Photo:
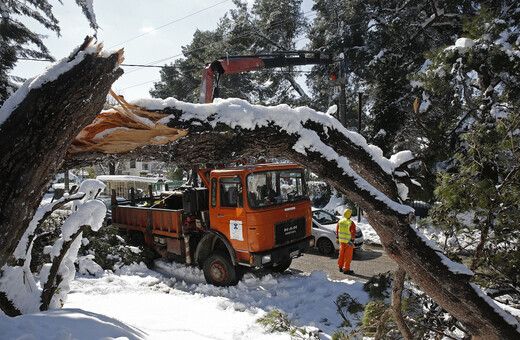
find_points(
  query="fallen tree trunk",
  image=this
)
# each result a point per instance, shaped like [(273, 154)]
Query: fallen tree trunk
[(39, 129), (37, 125), (232, 129)]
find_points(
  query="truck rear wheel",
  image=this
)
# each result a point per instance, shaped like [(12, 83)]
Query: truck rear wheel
[(219, 271)]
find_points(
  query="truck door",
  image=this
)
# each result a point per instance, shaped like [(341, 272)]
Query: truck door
[(230, 213)]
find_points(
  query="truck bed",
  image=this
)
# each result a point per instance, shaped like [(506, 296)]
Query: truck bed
[(156, 221)]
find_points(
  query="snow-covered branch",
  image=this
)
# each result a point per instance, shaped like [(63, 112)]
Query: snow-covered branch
[(17, 282)]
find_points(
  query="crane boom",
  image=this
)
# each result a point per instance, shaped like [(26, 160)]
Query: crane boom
[(237, 64)]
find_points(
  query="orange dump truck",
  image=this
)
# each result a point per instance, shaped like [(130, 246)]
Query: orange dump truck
[(250, 216)]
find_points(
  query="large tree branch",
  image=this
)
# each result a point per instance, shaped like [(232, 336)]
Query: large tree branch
[(231, 129)]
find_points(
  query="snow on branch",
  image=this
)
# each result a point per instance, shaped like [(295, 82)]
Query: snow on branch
[(237, 113), (18, 283), (50, 74)]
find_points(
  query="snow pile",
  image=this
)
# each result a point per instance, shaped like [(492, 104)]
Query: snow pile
[(462, 45), (138, 303)]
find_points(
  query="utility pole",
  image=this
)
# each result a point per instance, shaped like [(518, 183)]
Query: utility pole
[(360, 109), (342, 110), (339, 79)]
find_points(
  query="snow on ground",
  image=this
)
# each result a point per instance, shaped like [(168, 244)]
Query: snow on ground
[(174, 302)]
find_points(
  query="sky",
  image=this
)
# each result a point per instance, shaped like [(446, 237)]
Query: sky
[(151, 32)]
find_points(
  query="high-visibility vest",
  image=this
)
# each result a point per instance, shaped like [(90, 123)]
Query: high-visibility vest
[(344, 230)]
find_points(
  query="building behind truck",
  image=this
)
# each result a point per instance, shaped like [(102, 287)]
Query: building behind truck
[(249, 216)]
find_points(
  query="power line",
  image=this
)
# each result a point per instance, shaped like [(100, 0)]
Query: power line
[(246, 33), (195, 69), (171, 22), (141, 65)]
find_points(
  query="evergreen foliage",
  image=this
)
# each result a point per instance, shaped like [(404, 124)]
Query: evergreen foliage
[(267, 26), (473, 90), (277, 321), (111, 250), (383, 43), (18, 41)]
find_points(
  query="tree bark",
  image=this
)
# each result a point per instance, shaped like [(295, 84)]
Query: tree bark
[(397, 292), (37, 134), (208, 142), (54, 279)]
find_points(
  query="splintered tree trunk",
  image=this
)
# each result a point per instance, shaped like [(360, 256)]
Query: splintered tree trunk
[(36, 136), (211, 141)]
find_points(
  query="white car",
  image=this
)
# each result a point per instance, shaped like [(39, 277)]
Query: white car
[(324, 231)]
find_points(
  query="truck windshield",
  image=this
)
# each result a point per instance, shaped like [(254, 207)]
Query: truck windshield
[(275, 187)]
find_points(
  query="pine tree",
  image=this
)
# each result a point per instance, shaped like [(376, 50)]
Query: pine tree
[(475, 82), (18, 41), (266, 27), (384, 44)]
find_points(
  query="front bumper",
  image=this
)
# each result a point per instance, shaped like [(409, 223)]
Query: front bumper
[(282, 254)]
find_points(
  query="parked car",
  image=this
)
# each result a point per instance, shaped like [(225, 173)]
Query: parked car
[(324, 231)]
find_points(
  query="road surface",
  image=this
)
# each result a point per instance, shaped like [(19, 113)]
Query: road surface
[(367, 262)]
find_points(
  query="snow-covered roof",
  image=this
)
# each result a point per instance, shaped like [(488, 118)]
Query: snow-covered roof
[(128, 178)]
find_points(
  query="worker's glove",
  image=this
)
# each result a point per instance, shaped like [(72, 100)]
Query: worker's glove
[(350, 243)]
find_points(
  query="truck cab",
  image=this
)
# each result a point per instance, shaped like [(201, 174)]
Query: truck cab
[(264, 212)]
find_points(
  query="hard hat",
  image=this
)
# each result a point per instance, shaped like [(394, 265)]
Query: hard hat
[(347, 213)]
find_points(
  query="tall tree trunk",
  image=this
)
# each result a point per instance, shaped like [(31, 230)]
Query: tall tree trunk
[(36, 136)]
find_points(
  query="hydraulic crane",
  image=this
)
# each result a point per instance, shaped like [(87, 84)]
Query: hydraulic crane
[(246, 63)]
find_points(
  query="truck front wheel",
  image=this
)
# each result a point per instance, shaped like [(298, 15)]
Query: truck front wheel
[(281, 267), (219, 271)]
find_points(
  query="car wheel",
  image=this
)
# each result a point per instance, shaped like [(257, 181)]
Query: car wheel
[(325, 246), (219, 271), (281, 267)]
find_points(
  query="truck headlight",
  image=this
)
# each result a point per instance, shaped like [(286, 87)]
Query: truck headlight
[(266, 259)]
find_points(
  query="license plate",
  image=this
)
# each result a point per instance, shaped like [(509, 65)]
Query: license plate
[(294, 253)]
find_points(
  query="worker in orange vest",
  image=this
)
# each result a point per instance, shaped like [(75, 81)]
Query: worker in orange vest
[(345, 234)]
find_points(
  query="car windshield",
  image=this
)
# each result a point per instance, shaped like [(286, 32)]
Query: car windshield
[(275, 187), (324, 217)]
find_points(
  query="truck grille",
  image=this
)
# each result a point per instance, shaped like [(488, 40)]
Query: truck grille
[(287, 231)]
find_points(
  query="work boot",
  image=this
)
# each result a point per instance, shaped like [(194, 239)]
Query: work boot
[(340, 270), (348, 272)]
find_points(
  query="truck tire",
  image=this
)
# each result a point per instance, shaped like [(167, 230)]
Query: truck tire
[(281, 267), (219, 271)]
